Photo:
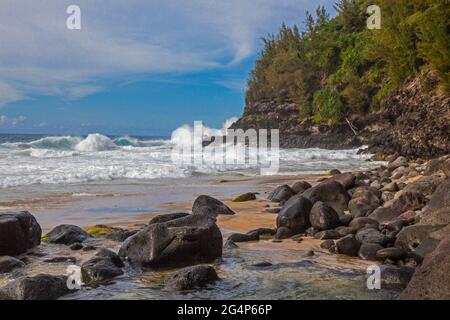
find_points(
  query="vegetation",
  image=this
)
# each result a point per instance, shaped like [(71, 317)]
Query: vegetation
[(337, 66)]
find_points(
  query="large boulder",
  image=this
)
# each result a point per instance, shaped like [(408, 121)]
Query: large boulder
[(364, 201), (436, 165), (346, 179), (103, 266), (417, 239), (67, 234), (193, 277), (363, 222), (425, 185), (168, 217), (281, 193), (242, 237), (397, 163), (405, 200), (8, 264), (19, 231), (185, 241), (370, 235), (323, 217), (330, 192), (384, 215), (300, 186), (393, 277), (39, 287), (295, 215), (348, 245), (438, 209), (430, 281), (368, 251), (209, 205)]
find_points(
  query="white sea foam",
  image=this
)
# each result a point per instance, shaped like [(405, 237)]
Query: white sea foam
[(65, 160)]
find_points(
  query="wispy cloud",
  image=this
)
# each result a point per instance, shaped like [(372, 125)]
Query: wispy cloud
[(131, 38), (12, 122)]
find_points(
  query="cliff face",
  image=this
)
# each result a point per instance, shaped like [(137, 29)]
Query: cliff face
[(415, 123)]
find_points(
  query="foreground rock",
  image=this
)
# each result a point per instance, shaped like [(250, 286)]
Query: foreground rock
[(8, 264), (430, 281), (364, 201), (185, 241), (19, 231), (330, 192), (294, 215), (39, 287), (193, 277), (393, 277), (103, 266), (168, 217), (437, 210), (323, 217), (67, 234), (348, 245), (281, 193), (209, 205)]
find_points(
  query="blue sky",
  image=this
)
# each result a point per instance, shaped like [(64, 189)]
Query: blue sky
[(135, 67)]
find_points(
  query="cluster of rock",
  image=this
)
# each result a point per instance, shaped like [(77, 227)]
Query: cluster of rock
[(168, 241), (397, 214)]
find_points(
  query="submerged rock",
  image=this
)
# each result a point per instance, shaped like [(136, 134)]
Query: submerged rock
[(189, 240), (39, 287), (193, 277), (19, 231), (8, 264)]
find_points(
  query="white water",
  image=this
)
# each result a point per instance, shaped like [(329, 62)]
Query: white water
[(68, 159)]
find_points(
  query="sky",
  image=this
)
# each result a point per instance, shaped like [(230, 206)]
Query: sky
[(136, 67)]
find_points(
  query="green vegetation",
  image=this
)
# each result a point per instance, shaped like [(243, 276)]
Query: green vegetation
[(245, 197), (101, 230), (337, 66)]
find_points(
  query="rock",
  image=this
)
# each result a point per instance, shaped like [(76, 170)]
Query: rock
[(309, 253), (392, 253), (446, 168), (327, 244), (300, 186), (412, 237), (343, 231), (241, 237), (399, 162), (370, 235), (359, 223), (39, 287), (273, 210), (384, 215), (281, 193), (430, 281), (323, 217), (330, 192), (229, 244), (19, 231), (61, 260), (167, 217), (405, 200), (193, 277), (438, 209), (89, 248), (8, 264), (425, 185), (348, 245), (249, 196), (346, 179), (332, 172), (189, 240), (283, 233), (393, 277), (376, 184), (67, 234), (364, 201), (435, 165), (120, 236), (103, 266), (391, 187), (76, 246), (396, 225), (262, 232), (295, 215), (387, 196), (327, 234), (368, 251), (262, 264), (211, 206), (345, 219)]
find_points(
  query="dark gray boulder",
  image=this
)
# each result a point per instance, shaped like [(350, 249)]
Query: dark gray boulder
[(327, 244), (348, 245), (323, 217), (281, 193), (8, 264), (405, 200), (261, 232), (397, 163), (417, 240), (168, 217), (347, 179), (344, 231), (283, 233), (392, 253), (242, 237), (393, 277), (120, 236), (19, 231), (193, 277), (67, 234), (103, 266), (327, 235), (295, 215), (370, 235), (368, 251), (345, 220), (384, 215), (39, 287), (300, 186), (363, 222), (209, 205), (185, 241), (437, 210), (330, 192), (364, 201)]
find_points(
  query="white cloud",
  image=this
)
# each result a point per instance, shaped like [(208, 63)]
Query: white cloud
[(12, 122), (128, 39)]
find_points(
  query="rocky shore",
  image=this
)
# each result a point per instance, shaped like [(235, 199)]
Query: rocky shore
[(396, 215)]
